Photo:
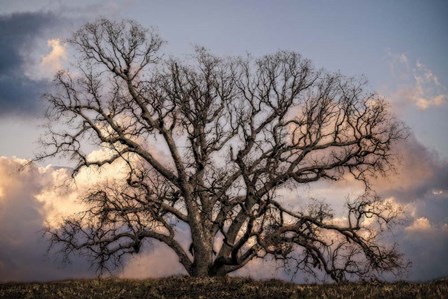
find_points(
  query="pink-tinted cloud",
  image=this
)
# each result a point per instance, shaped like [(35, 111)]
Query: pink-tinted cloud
[(22, 218), (419, 224), (420, 86), (419, 186), (157, 261), (419, 174), (37, 195), (32, 198)]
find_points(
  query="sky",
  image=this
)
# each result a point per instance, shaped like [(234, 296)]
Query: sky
[(399, 46)]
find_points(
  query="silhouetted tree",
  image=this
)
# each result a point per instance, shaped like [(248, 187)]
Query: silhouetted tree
[(233, 132)]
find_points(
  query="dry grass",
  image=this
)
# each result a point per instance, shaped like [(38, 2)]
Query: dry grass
[(215, 288)]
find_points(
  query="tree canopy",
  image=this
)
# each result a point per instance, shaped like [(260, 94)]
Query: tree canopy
[(208, 143)]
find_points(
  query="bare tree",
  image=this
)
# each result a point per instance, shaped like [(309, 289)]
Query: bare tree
[(234, 131)]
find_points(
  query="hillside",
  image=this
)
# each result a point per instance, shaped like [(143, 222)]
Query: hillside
[(185, 287)]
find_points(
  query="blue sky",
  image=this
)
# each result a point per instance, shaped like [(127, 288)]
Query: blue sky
[(399, 46)]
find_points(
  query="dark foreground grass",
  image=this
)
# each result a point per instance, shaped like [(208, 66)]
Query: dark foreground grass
[(215, 288)]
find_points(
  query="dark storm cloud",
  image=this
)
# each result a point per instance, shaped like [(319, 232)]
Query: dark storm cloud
[(19, 34), (20, 95)]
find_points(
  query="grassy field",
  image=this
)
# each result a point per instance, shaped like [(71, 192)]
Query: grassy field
[(215, 288)]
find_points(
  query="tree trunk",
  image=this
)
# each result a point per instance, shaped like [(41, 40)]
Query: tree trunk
[(201, 269), (207, 269), (203, 262), (202, 247)]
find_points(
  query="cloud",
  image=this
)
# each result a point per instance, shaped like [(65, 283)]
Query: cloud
[(426, 245), (32, 50), (156, 261), (38, 195), (54, 59), (398, 64), (20, 34), (45, 67), (32, 198), (419, 173), (428, 91), (22, 218), (419, 224), (420, 185), (420, 86)]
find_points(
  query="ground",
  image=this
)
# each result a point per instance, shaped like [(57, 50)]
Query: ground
[(186, 287)]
